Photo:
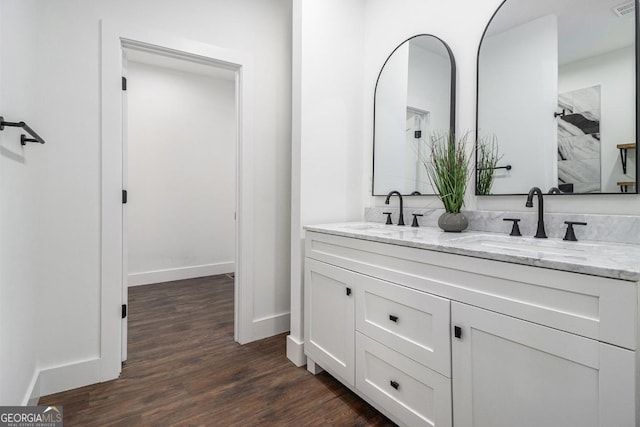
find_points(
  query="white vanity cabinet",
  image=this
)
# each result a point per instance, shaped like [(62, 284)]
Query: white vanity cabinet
[(347, 317), (438, 339)]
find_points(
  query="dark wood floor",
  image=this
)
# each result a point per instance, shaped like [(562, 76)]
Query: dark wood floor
[(185, 369)]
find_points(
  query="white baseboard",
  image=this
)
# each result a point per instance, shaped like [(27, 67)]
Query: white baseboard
[(295, 351), (79, 374), (270, 326), (33, 393), (67, 377), (181, 273)]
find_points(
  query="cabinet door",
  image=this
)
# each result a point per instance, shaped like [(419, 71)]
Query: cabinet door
[(509, 372), (329, 324)]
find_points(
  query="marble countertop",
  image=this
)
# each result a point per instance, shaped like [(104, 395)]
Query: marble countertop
[(605, 259)]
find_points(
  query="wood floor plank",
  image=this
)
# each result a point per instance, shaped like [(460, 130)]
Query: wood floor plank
[(184, 369)]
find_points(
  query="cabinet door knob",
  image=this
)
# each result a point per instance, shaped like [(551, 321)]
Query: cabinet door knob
[(348, 291), (457, 331), (394, 384), (393, 318)]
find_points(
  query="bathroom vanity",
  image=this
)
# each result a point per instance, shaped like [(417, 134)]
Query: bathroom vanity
[(474, 329)]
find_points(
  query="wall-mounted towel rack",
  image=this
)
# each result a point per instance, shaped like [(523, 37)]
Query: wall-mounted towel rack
[(23, 125)]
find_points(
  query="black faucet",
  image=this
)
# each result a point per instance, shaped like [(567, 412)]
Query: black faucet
[(386, 202), (540, 233), (554, 190)]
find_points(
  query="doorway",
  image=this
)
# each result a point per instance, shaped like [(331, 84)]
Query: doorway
[(116, 38), (417, 134), (179, 219)]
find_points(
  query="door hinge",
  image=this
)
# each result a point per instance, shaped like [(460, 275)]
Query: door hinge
[(124, 83), (125, 197), (124, 310)]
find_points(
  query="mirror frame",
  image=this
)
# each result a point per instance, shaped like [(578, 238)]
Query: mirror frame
[(452, 105), (637, 64)]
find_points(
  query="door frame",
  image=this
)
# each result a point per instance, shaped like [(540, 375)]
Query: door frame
[(114, 37)]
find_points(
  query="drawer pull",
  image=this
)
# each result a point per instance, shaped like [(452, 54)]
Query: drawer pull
[(394, 384), (457, 331), (393, 318)]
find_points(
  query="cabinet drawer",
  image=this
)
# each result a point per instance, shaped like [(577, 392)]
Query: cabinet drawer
[(413, 323), (414, 394)]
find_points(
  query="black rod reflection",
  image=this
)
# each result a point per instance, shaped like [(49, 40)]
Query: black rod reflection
[(507, 167)]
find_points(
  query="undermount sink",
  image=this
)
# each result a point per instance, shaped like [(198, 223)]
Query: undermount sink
[(365, 227), (376, 229), (525, 246)]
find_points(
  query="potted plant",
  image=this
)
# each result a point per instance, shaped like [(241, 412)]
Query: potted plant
[(448, 170), (487, 158)]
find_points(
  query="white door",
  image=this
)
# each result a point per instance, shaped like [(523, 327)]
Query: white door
[(329, 318), (125, 251), (417, 139), (509, 372)]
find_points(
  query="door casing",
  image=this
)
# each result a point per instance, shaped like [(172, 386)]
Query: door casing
[(114, 39)]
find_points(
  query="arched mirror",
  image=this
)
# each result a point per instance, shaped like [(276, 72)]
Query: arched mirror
[(557, 93), (414, 96)]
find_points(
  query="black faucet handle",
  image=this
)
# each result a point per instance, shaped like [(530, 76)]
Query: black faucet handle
[(515, 229), (388, 214), (414, 223), (570, 235)]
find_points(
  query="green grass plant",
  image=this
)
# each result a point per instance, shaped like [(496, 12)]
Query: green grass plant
[(487, 159), (448, 168)]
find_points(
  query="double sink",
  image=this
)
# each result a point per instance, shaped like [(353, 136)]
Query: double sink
[(607, 259), (483, 242)]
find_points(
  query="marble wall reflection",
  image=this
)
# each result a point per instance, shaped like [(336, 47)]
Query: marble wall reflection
[(579, 141)]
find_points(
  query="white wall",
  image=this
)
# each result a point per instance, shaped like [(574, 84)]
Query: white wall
[(614, 72), (327, 166), (517, 99), (59, 242), (22, 171), (181, 174)]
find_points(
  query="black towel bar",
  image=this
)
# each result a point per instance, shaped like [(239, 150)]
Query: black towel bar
[(23, 125)]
